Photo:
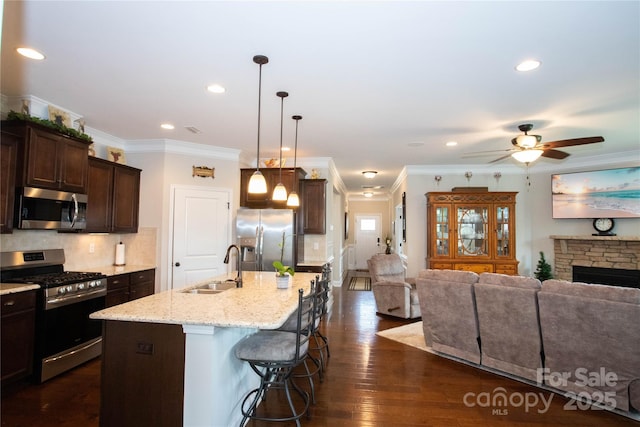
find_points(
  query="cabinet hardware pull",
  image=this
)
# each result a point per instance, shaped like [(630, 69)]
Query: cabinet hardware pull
[(9, 303)]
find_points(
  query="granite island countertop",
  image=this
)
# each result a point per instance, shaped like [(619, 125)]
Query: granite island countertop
[(258, 304)]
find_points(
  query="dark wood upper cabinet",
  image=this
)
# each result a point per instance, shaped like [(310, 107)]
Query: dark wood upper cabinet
[(114, 197), (312, 211), (49, 159), (8, 157), (290, 179)]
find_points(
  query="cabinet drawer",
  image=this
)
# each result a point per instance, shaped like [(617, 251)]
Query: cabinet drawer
[(20, 301), (142, 276), (506, 269), (477, 268), (119, 281), (441, 266)]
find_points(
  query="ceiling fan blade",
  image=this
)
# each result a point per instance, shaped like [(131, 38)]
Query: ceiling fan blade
[(484, 153), (500, 158), (554, 154), (574, 141)]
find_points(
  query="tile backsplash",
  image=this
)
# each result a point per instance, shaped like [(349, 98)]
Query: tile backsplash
[(83, 251)]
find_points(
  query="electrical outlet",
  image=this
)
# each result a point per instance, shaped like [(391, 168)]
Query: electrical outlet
[(316, 246), (92, 248)]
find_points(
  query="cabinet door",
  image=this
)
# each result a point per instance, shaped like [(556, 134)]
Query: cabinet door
[(472, 231), (126, 199), (504, 243), (43, 166), (17, 327), (74, 163), (313, 206), (8, 157), (442, 235), (99, 191)]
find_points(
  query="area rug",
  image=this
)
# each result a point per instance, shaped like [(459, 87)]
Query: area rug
[(360, 284), (411, 334)]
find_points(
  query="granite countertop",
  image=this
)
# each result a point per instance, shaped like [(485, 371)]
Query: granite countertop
[(258, 304), (12, 288), (114, 270)]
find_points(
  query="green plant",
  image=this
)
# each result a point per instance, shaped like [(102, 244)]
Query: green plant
[(543, 270), (12, 115), (282, 270)]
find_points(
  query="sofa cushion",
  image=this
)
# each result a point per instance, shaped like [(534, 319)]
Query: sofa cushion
[(585, 290), (448, 312), (511, 281)]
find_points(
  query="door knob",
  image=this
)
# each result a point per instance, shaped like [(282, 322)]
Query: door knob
[(177, 264)]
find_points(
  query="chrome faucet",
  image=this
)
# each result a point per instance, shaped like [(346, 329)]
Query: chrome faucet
[(238, 279)]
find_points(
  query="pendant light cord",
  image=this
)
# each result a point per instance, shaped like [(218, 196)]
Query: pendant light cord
[(259, 99), (281, 124)]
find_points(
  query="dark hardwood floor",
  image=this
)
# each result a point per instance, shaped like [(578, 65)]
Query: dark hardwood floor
[(370, 381)]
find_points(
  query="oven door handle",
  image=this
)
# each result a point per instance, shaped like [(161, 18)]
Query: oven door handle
[(71, 299)]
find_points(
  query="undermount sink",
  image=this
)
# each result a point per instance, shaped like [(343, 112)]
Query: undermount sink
[(212, 287)]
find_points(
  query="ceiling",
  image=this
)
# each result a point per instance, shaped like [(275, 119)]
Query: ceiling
[(380, 85)]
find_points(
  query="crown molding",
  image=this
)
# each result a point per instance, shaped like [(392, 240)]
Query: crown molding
[(172, 146)]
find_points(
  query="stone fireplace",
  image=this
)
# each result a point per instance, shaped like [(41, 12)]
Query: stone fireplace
[(619, 253)]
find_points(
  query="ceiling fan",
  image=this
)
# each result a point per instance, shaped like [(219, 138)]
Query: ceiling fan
[(527, 148)]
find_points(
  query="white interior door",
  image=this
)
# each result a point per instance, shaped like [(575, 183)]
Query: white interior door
[(201, 234), (368, 239)]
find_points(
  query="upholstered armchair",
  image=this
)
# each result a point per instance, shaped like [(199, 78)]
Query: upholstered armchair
[(395, 294)]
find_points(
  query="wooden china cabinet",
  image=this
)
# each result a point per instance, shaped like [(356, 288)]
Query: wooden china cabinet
[(472, 231)]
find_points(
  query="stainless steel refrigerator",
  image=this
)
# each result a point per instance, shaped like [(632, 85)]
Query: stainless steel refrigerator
[(264, 236)]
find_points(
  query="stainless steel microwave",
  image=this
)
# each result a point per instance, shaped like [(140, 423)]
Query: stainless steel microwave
[(41, 209)]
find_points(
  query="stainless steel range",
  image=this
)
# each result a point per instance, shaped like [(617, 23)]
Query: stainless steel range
[(65, 337)]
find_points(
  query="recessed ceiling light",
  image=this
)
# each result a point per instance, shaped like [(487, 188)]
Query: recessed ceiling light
[(286, 149), (369, 174), (416, 144), (528, 65), (30, 53), (451, 143), (167, 126), (368, 194), (216, 88)]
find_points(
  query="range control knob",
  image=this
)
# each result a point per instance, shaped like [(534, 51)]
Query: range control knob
[(62, 290), (81, 286)]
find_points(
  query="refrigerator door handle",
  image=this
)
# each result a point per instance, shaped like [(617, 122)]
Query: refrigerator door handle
[(261, 239)]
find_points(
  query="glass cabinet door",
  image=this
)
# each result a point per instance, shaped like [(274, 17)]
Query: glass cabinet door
[(502, 231), (442, 230), (472, 230)]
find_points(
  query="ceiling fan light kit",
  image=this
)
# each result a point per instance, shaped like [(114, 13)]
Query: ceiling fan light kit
[(527, 155), (257, 183)]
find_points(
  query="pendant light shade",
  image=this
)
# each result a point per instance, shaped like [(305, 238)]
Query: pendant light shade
[(257, 183), (280, 192), (293, 200)]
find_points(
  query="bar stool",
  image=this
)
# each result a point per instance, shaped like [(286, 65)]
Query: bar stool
[(273, 354)]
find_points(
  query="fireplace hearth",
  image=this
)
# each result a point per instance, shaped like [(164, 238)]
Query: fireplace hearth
[(607, 276)]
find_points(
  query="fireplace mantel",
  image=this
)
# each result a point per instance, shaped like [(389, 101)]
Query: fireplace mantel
[(618, 238), (621, 252)]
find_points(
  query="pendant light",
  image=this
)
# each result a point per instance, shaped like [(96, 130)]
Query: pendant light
[(293, 199), (257, 183), (280, 192)]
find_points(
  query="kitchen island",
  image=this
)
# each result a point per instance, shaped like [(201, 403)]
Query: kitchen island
[(145, 340)]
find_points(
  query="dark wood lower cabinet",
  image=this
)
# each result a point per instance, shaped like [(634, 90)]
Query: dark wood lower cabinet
[(142, 375), (17, 326), (127, 287)]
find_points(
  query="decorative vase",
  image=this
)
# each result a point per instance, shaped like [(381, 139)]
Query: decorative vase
[(282, 282)]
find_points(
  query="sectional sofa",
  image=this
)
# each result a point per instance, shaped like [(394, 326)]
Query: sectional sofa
[(580, 340)]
